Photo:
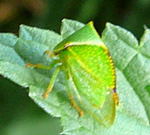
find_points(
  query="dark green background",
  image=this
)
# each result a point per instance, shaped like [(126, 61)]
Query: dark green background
[(18, 114)]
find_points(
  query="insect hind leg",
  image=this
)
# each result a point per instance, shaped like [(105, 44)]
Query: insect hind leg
[(72, 94), (75, 105)]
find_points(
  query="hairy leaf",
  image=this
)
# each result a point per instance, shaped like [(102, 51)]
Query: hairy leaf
[(132, 62)]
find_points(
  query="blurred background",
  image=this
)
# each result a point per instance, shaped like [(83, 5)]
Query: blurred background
[(18, 113)]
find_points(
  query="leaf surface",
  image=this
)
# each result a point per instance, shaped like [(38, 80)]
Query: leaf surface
[(133, 77)]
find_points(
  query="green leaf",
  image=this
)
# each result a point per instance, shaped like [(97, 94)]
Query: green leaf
[(9, 54), (121, 43), (31, 51), (8, 39), (131, 62), (133, 78), (41, 36), (68, 27), (144, 44), (129, 120), (25, 50)]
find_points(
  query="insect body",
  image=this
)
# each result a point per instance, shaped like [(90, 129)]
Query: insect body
[(90, 74)]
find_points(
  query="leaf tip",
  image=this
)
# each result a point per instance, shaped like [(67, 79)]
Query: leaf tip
[(108, 24)]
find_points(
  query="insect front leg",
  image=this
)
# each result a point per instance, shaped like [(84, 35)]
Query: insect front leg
[(51, 84), (40, 66), (55, 63), (50, 53)]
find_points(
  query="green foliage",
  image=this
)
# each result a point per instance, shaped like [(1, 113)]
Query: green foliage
[(132, 62)]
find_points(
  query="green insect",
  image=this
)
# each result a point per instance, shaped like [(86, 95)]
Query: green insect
[(89, 73)]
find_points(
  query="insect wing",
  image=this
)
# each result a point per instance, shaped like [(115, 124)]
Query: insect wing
[(92, 74)]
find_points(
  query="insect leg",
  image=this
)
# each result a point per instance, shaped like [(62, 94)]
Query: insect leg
[(74, 104), (71, 95), (55, 63), (38, 66), (51, 84), (41, 66), (49, 53)]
